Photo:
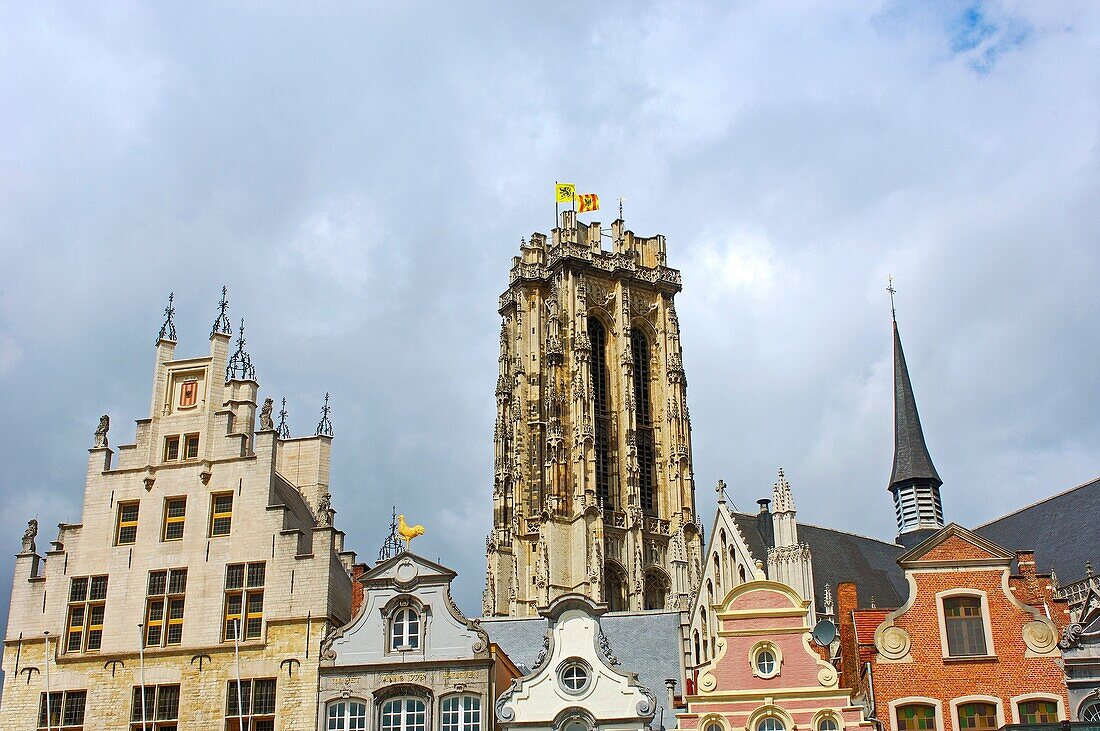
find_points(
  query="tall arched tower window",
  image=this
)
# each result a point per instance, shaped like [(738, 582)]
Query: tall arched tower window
[(647, 459), (614, 588), (601, 386)]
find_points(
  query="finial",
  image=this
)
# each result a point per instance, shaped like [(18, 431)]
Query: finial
[(240, 365), (891, 290), (721, 490), (282, 430), (392, 545), (221, 322), (621, 199), (168, 329), (828, 602), (873, 602), (324, 427), (1088, 569)]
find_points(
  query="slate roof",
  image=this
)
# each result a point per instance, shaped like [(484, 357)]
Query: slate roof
[(911, 458), (839, 556), (1061, 529), (646, 643)]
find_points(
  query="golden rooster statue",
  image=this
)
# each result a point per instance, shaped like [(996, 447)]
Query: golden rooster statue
[(408, 532)]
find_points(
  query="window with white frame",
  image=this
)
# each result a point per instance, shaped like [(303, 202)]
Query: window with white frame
[(980, 716), (916, 717), (574, 677), (66, 710), (1038, 711), (827, 723), (1090, 712), (405, 630), (964, 625), (770, 723), (349, 715), (404, 714), (766, 660), (461, 713), (713, 726)]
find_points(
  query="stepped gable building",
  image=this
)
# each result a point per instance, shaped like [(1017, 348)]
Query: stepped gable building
[(963, 651), (593, 488), (208, 532), (409, 659), (584, 669), (767, 674)]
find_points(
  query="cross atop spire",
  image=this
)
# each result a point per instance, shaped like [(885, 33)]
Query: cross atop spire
[(324, 427), (168, 329), (221, 322), (240, 366), (892, 291), (282, 430), (721, 490)]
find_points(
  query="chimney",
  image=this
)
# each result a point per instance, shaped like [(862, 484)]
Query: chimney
[(764, 522), (847, 600), (765, 505)]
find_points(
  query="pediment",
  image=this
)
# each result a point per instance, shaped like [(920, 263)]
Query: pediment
[(406, 570), (954, 544)]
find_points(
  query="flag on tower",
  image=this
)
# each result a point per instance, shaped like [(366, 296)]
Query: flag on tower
[(588, 202), (564, 192)]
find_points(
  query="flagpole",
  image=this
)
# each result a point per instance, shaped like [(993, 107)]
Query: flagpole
[(141, 654), (237, 653), (47, 633), (556, 214)]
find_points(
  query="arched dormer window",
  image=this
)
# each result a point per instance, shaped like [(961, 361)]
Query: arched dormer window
[(405, 629), (647, 459), (346, 715), (601, 388)]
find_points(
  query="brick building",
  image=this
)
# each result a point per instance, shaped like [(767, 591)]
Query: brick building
[(966, 650), (203, 534)]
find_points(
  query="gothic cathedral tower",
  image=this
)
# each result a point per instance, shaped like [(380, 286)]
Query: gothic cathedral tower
[(593, 489)]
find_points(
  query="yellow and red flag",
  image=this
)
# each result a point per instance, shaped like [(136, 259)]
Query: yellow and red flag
[(564, 192), (588, 202)]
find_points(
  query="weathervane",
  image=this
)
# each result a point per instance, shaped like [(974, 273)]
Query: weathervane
[(169, 327), (891, 290), (282, 429), (324, 427), (221, 323)]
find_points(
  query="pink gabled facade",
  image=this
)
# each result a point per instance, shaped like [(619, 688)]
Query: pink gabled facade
[(767, 674)]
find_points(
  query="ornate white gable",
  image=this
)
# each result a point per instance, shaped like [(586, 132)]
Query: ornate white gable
[(577, 678)]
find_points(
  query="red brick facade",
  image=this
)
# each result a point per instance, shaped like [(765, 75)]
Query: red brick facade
[(905, 649)]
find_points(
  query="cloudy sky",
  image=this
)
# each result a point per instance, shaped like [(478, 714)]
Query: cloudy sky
[(359, 177)]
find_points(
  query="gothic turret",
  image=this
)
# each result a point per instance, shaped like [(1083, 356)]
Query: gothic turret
[(914, 481)]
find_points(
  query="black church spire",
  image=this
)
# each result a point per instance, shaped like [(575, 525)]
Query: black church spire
[(914, 481)]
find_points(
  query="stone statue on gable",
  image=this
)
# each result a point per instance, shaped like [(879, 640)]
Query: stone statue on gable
[(101, 431)]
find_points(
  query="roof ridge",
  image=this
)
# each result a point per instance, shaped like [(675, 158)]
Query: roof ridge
[(838, 530), (1017, 511)]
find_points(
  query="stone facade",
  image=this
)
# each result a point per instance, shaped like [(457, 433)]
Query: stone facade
[(593, 488), (409, 647), (767, 675), (577, 682), (963, 645), (201, 512), (1080, 645)]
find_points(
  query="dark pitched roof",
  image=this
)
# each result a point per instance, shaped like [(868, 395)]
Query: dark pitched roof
[(1059, 529), (911, 458), (646, 643), (839, 556)]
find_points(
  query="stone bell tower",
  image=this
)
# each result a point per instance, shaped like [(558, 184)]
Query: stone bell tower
[(593, 488)]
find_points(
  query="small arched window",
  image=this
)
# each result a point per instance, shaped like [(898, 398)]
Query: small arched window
[(827, 723), (714, 726), (348, 715), (718, 569), (916, 717), (770, 723), (405, 630), (981, 716), (656, 591), (404, 714), (741, 573), (1039, 711), (1089, 712), (698, 650), (614, 588), (461, 713)]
